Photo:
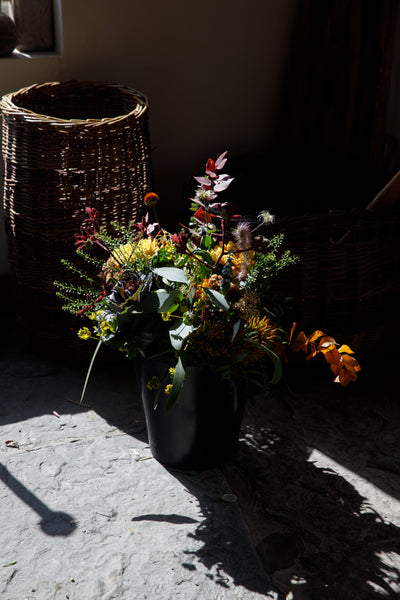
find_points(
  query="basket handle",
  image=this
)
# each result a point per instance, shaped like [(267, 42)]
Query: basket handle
[(388, 195)]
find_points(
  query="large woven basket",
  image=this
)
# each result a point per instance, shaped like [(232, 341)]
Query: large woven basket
[(347, 281), (67, 146)]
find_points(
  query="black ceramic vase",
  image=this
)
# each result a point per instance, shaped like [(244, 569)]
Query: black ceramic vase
[(201, 429)]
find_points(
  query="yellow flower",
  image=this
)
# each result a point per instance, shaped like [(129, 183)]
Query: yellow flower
[(168, 389), (166, 316), (128, 253), (238, 258), (104, 326), (84, 333), (153, 383), (172, 371), (265, 329), (147, 247)]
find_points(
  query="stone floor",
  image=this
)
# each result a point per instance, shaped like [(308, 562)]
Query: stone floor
[(87, 513)]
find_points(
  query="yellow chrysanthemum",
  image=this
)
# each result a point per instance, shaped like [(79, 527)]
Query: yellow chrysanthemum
[(239, 259), (128, 253), (265, 329)]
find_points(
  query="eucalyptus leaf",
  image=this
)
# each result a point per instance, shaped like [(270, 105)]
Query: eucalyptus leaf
[(192, 294), (277, 364), (154, 301), (236, 327), (179, 334), (171, 274), (170, 302), (217, 298), (177, 384)]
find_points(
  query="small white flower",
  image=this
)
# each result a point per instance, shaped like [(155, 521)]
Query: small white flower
[(266, 218), (204, 195)]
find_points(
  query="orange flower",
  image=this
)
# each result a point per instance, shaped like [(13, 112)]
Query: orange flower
[(151, 198)]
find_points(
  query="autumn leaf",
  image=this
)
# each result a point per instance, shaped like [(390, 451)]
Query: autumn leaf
[(317, 334), (280, 351), (345, 348), (292, 332), (300, 343)]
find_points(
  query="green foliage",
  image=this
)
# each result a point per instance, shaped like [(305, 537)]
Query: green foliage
[(267, 266)]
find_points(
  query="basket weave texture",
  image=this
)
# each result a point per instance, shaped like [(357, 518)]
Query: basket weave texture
[(347, 282), (67, 146)]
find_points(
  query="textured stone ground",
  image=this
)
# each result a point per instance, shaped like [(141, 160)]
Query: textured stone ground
[(87, 513)]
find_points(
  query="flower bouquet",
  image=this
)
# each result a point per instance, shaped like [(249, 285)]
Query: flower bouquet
[(200, 297)]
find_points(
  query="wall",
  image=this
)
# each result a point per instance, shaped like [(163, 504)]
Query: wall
[(212, 72)]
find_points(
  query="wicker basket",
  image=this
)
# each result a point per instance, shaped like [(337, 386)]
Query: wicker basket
[(67, 146), (347, 281)]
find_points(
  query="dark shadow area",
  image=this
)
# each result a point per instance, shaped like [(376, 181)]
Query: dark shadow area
[(314, 531), (227, 549), (54, 523), (174, 519)]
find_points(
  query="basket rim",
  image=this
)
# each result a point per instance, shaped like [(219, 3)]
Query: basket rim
[(8, 106)]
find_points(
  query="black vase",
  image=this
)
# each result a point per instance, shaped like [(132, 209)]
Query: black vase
[(201, 429)]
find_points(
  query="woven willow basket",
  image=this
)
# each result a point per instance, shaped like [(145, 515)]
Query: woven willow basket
[(347, 280), (67, 146)]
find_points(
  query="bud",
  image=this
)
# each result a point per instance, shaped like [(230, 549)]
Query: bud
[(150, 199)]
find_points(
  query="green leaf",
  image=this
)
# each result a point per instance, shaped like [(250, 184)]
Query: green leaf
[(171, 274), (217, 298), (236, 327), (170, 303), (206, 256), (177, 384), (154, 301), (277, 364), (179, 334), (192, 294), (206, 242)]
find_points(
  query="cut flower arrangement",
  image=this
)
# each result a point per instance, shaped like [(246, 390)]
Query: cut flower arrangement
[(203, 296)]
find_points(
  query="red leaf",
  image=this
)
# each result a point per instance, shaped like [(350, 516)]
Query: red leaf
[(221, 160)]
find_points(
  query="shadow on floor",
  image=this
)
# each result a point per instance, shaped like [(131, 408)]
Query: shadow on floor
[(317, 536)]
